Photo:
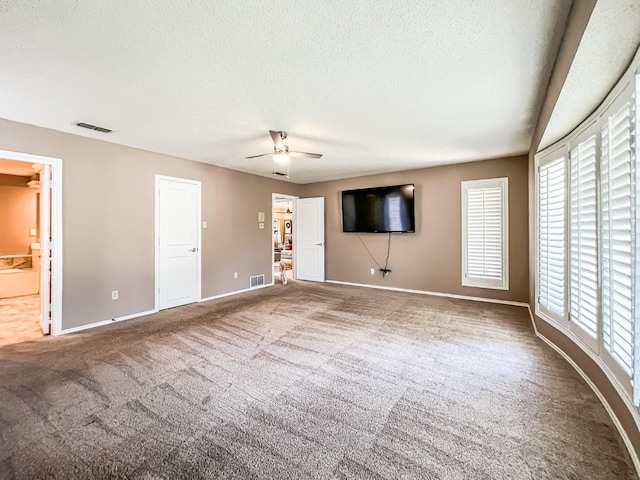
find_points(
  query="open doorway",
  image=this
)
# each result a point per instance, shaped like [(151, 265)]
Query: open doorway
[(27, 260), (283, 237), (21, 292)]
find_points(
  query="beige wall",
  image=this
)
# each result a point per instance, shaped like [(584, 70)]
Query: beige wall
[(431, 258), (108, 224), (18, 214)]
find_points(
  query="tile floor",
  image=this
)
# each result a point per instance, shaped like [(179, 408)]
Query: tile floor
[(19, 319)]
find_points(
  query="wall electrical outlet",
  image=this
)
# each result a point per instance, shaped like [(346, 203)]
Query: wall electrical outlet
[(204, 224), (235, 274), (261, 226), (373, 271), (114, 295), (32, 232)]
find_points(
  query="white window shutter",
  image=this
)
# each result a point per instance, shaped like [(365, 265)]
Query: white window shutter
[(583, 238), (618, 237), (485, 233), (635, 152), (551, 236)]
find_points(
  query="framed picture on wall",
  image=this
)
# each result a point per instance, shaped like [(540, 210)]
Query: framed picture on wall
[(287, 226)]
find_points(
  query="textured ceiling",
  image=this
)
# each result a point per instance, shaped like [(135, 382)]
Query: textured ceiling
[(375, 86), (606, 50)]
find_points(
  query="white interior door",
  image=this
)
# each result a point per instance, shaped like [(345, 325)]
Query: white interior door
[(178, 217), (45, 248), (310, 239)]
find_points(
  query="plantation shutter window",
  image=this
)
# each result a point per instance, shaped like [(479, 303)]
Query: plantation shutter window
[(635, 152), (618, 237), (583, 238), (551, 237), (587, 209), (485, 233)]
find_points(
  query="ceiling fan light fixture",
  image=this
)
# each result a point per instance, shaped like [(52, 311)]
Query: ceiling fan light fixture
[(281, 158)]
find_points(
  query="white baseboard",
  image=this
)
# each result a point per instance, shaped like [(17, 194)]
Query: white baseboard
[(149, 312), (603, 400), (236, 292), (625, 438), (106, 322), (601, 364), (436, 294)]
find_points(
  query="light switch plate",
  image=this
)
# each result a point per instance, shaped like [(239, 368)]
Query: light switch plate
[(32, 232), (261, 216), (204, 224)]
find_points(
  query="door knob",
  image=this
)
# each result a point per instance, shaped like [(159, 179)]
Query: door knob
[(194, 249), (320, 244)]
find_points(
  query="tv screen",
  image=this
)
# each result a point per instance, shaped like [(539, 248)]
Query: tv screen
[(379, 210)]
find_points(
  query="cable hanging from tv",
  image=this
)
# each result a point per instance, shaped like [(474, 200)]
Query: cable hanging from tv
[(385, 270)]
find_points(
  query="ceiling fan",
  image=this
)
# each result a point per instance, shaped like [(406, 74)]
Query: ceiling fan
[(281, 152)]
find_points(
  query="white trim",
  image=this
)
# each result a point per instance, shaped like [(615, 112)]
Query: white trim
[(156, 239), (56, 230), (603, 400), (156, 236), (479, 282), (435, 294), (236, 292), (612, 379), (107, 322), (151, 312), (620, 390)]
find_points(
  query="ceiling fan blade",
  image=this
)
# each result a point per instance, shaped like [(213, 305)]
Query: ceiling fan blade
[(305, 154), (277, 140), (261, 155)]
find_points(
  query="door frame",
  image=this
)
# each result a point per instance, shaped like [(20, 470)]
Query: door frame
[(156, 240), (56, 230), (293, 199)]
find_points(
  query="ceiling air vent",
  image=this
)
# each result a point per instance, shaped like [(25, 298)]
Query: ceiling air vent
[(93, 127)]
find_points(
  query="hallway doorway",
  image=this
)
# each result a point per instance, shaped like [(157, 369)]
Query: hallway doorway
[(21, 228), (30, 298), (283, 236)]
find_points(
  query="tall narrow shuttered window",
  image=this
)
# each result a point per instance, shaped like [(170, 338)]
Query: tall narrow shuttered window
[(635, 151), (618, 237), (584, 247), (551, 237), (485, 233)]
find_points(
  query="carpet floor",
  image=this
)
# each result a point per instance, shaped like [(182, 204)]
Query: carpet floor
[(306, 381)]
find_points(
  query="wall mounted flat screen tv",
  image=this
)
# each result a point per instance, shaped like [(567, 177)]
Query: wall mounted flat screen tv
[(379, 210)]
